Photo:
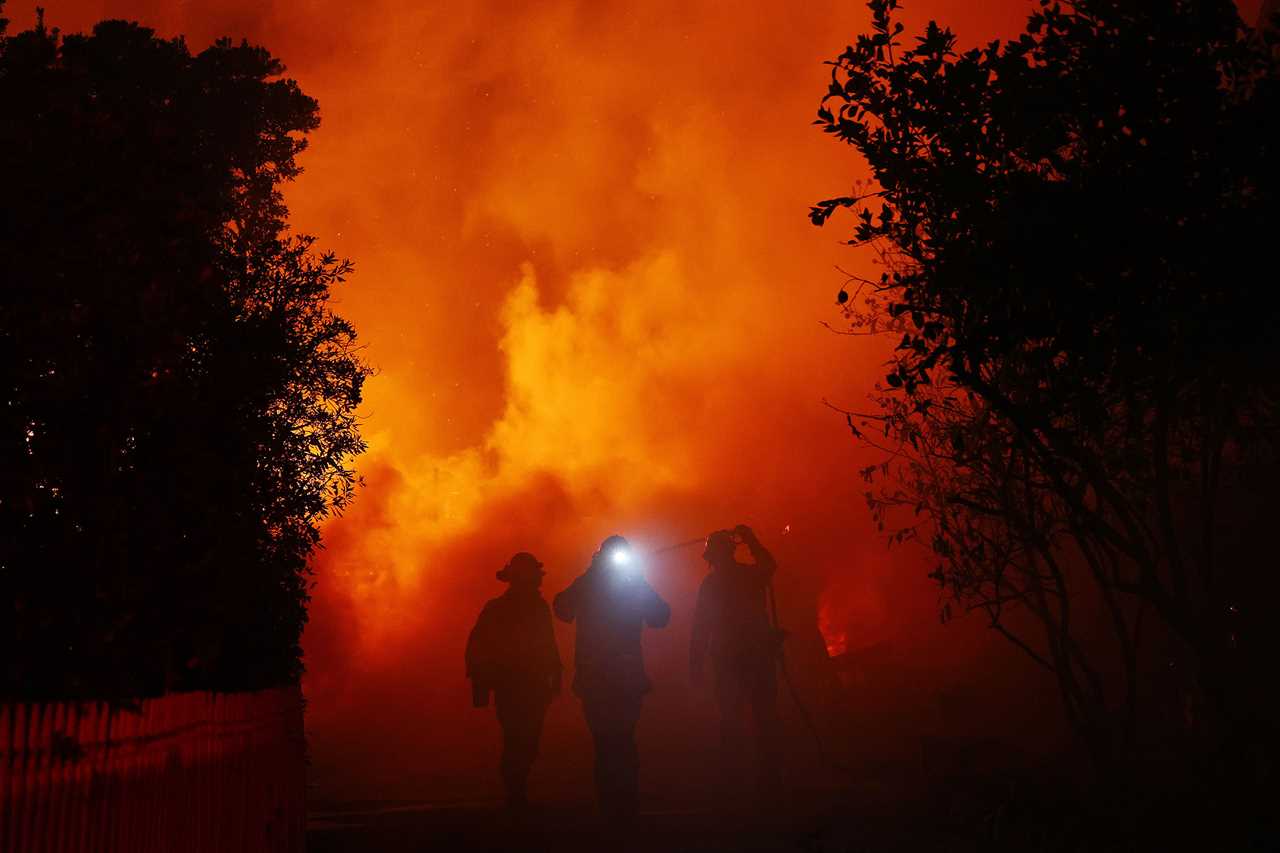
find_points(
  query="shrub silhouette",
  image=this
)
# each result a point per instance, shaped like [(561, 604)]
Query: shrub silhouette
[(1076, 229), (177, 403)]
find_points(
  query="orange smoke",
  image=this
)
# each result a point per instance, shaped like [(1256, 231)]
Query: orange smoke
[(852, 612), (586, 277)]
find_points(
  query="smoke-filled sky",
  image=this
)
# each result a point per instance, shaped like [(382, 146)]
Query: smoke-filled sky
[(585, 275)]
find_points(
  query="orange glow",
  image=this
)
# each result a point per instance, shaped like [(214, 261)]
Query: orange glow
[(852, 612), (831, 624), (585, 274)]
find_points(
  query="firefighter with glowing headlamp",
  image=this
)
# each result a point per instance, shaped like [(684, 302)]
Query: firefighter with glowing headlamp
[(610, 603), (732, 627)]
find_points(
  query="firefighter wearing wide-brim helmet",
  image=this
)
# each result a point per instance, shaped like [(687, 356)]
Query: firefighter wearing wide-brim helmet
[(523, 567), (512, 654)]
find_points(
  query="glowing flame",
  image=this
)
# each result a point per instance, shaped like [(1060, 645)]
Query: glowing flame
[(831, 624), (585, 274)]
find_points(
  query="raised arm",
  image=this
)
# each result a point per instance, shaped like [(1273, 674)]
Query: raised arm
[(764, 560)]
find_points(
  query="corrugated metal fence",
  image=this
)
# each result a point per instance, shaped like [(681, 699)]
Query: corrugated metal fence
[(191, 772)]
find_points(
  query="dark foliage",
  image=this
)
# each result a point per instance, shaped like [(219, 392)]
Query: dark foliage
[(177, 401), (1075, 227)]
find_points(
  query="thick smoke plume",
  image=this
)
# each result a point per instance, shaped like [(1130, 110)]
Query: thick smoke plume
[(586, 277)]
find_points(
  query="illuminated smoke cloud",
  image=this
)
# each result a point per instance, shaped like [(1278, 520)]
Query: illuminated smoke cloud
[(586, 276)]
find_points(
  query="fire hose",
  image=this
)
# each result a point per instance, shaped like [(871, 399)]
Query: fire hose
[(781, 653), (781, 658), (676, 547)]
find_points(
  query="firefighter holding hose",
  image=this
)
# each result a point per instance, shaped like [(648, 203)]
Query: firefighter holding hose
[(732, 627)]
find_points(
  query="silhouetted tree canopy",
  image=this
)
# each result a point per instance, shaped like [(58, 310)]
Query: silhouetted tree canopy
[(177, 407), (1075, 228)]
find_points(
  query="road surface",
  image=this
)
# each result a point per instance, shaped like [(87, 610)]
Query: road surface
[(408, 826)]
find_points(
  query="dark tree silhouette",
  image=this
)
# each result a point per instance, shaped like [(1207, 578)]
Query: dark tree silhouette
[(1075, 229), (178, 402)]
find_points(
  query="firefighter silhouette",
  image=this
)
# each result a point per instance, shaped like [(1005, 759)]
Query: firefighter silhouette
[(732, 626), (512, 654), (611, 603)]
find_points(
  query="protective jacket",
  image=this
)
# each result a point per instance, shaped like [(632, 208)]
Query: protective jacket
[(731, 619), (513, 646), (610, 609)]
